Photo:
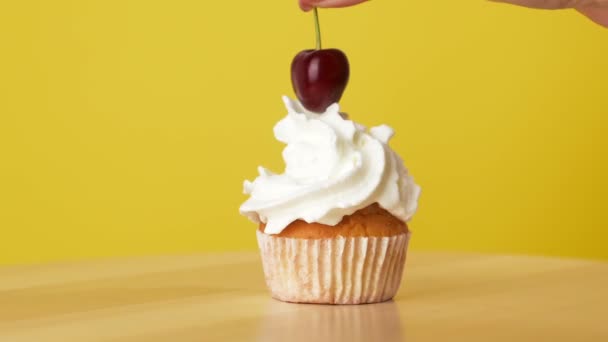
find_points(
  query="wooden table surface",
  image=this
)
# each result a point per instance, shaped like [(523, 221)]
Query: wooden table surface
[(222, 297)]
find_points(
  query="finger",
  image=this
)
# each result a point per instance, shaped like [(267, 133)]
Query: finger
[(597, 15), (307, 5), (556, 4)]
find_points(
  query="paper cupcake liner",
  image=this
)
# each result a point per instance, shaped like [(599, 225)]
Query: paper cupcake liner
[(341, 270)]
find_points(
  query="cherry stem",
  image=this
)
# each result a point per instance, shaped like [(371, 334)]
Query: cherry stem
[(317, 27)]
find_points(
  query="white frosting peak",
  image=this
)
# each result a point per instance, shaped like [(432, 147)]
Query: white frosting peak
[(333, 167)]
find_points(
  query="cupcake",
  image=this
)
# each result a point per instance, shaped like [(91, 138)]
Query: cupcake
[(332, 227)]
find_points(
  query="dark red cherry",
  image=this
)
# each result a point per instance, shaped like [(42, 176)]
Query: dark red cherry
[(319, 77)]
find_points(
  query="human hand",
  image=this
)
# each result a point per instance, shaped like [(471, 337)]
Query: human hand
[(596, 10)]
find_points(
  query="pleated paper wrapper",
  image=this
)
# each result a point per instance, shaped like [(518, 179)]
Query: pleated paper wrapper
[(340, 270)]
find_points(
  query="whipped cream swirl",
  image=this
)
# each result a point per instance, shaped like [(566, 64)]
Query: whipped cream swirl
[(334, 167)]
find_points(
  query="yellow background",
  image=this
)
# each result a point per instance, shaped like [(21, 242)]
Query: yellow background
[(127, 127)]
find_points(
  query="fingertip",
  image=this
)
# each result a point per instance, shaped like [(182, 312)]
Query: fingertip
[(305, 5)]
